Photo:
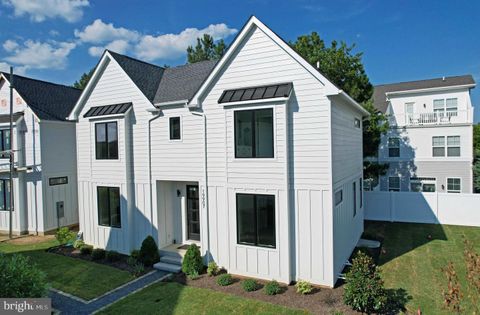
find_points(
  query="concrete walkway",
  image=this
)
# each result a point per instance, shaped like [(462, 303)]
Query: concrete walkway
[(68, 304)]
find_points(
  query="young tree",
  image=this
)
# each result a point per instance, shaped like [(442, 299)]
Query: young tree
[(82, 83), (206, 49)]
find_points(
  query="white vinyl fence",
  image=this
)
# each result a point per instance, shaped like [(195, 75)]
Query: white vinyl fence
[(420, 207)]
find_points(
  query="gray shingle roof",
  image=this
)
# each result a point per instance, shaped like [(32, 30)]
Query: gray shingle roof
[(49, 101), (145, 75), (379, 97), (182, 82)]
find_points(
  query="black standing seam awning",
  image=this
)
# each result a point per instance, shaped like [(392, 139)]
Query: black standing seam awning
[(256, 93), (113, 109)]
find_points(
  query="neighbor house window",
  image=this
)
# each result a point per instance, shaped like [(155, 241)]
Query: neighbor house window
[(394, 183), (357, 123), (106, 141), (438, 146), (175, 128), (5, 143), (58, 181), (256, 220), (354, 198), (453, 146), (393, 147), (360, 183), (108, 201), (338, 197), (454, 185), (451, 106), (4, 194), (254, 133), (439, 107), (423, 184)]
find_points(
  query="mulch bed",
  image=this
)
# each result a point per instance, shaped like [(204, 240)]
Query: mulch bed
[(320, 301), (75, 253)]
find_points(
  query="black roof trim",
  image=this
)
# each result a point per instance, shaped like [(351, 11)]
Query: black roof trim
[(113, 109), (4, 118), (256, 93)]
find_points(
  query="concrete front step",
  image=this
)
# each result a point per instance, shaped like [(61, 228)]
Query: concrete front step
[(171, 260), (169, 253), (167, 267)]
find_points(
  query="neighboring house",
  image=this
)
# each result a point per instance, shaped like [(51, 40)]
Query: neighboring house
[(429, 145), (256, 158), (43, 142)]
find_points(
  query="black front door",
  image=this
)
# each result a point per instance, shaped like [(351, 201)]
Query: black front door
[(193, 213)]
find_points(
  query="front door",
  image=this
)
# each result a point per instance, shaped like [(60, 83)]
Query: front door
[(193, 213)]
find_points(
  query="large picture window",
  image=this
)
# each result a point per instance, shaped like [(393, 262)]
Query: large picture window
[(256, 220), (108, 202), (254, 133), (5, 143), (106, 141), (4, 194)]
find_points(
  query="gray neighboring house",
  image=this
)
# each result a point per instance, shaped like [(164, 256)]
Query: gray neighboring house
[(44, 180), (429, 144)]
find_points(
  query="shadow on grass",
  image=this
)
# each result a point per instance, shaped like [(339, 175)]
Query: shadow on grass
[(397, 301)]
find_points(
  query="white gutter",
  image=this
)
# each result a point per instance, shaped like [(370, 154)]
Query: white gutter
[(157, 114), (440, 88)]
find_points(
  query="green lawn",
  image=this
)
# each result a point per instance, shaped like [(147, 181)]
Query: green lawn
[(81, 278), (412, 260), (174, 298)]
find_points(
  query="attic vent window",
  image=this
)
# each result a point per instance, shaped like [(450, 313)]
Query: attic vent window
[(256, 93)]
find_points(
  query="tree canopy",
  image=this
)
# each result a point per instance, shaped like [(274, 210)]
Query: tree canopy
[(82, 83), (206, 49)]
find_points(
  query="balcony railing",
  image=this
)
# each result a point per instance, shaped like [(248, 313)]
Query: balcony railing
[(431, 118)]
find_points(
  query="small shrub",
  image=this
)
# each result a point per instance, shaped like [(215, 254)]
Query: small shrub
[(192, 261), (272, 288), (131, 261), (250, 285), (194, 276), (20, 278), (78, 244), (224, 280), (212, 269), (138, 269), (304, 287), (86, 249), (364, 289), (135, 253), (148, 254), (98, 254), (112, 256), (64, 235)]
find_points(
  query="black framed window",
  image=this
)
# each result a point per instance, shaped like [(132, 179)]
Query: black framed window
[(254, 133), (175, 128), (106, 141), (256, 220), (5, 143), (108, 203), (5, 194), (360, 184), (53, 181)]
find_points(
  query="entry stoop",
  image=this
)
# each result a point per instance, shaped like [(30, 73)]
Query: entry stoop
[(171, 258)]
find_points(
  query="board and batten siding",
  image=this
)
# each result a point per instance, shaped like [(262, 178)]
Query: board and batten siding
[(303, 230), (347, 169)]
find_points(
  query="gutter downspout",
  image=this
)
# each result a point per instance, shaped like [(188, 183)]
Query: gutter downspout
[(157, 113)]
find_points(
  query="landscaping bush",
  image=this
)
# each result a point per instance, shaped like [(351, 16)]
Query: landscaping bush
[(86, 249), (138, 269), (272, 288), (20, 278), (148, 254), (364, 290), (64, 235), (78, 244), (192, 261), (112, 256), (212, 269), (98, 254), (131, 261), (135, 253), (224, 280), (304, 287), (250, 285), (194, 276)]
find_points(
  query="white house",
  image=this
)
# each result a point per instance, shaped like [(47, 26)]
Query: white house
[(429, 146), (256, 158), (43, 142)]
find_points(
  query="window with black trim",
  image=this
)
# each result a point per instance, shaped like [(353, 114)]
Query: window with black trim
[(106, 141), (5, 143), (53, 181), (108, 203), (175, 128), (360, 185), (256, 220), (357, 123), (354, 198), (454, 185), (4, 194), (254, 133)]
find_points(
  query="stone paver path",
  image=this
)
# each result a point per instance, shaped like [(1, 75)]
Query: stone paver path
[(67, 304)]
